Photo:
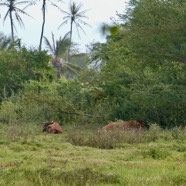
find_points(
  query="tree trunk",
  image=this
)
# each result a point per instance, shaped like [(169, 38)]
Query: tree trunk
[(43, 24), (68, 55), (12, 27)]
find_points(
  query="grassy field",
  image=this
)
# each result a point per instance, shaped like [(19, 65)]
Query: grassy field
[(83, 156)]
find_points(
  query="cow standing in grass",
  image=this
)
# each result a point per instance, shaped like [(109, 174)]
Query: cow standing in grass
[(124, 125), (52, 127)]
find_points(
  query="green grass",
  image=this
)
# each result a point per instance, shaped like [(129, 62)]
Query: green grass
[(78, 157)]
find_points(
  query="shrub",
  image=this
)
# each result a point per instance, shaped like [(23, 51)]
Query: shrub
[(8, 112), (154, 132), (156, 153), (77, 138), (179, 133)]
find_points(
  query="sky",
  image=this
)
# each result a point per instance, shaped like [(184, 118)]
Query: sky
[(98, 12)]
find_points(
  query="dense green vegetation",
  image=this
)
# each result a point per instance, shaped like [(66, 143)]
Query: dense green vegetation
[(138, 73)]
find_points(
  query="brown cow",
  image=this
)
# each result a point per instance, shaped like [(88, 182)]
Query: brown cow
[(124, 125), (52, 127)]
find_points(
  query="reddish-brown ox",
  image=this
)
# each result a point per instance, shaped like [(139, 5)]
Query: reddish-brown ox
[(124, 125), (52, 127)]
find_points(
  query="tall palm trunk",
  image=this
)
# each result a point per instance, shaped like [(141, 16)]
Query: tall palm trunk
[(71, 25), (12, 27), (43, 24)]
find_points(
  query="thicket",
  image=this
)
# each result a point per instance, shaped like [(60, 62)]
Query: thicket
[(141, 74)]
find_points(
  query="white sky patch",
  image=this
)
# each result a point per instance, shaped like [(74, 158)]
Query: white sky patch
[(98, 12)]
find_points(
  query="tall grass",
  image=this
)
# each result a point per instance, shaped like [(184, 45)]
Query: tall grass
[(91, 157), (111, 139)]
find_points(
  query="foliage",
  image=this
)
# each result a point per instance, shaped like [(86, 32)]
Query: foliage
[(59, 47), (81, 60), (142, 64), (75, 15), (124, 94), (45, 100), (4, 42), (20, 66), (8, 112), (156, 30), (59, 50), (153, 94), (140, 73)]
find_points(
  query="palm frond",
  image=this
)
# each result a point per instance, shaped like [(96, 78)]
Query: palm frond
[(54, 44), (49, 46), (75, 15), (19, 20), (60, 46), (23, 12), (7, 13), (72, 68)]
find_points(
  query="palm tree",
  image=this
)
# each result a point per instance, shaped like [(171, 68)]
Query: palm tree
[(59, 49), (13, 11), (75, 16), (44, 16)]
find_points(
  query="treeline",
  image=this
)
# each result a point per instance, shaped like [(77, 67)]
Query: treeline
[(139, 73)]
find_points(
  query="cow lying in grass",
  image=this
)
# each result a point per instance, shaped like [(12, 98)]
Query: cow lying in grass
[(124, 125), (52, 127)]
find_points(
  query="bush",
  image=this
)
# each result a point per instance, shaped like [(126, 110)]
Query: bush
[(156, 153), (154, 132), (179, 133), (8, 112)]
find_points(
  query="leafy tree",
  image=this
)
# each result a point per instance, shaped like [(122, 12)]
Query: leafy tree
[(140, 81), (156, 30), (74, 16), (62, 100), (18, 67), (13, 11), (132, 90)]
